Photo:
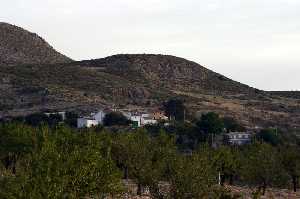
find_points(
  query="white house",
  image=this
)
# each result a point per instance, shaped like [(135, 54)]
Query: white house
[(148, 120), (93, 120), (86, 122), (137, 119), (62, 114), (99, 116), (239, 138)]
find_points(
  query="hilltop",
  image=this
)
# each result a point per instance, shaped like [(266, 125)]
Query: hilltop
[(19, 46), (141, 80)]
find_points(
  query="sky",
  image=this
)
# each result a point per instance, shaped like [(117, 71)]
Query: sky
[(256, 42)]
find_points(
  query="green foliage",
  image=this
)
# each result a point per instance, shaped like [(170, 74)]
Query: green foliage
[(211, 123), (290, 159), (227, 162), (63, 165), (270, 136), (36, 119), (232, 125), (262, 167), (175, 109), (61, 162), (192, 177), (15, 142), (71, 119), (188, 136), (115, 118)]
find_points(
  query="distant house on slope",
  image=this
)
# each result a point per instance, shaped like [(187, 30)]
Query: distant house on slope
[(99, 116), (62, 114), (239, 138), (93, 120), (160, 115), (86, 122), (140, 119)]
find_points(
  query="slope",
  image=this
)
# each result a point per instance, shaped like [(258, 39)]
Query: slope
[(18, 46)]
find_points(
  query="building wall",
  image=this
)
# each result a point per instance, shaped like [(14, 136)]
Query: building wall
[(148, 121), (86, 123), (239, 138), (99, 116), (136, 119)]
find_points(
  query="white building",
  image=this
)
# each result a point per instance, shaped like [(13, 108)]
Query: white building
[(137, 119), (99, 116), (143, 119), (148, 121), (62, 114), (239, 138), (86, 122), (94, 120)]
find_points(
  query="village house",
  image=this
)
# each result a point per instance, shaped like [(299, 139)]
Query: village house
[(160, 115), (99, 116), (86, 122), (140, 119), (239, 138), (61, 113), (93, 120), (137, 118)]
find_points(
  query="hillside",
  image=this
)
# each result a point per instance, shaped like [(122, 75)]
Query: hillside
[(18, 46), (30, 85)]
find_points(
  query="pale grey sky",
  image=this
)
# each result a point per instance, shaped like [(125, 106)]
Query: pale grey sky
[(256, 42)]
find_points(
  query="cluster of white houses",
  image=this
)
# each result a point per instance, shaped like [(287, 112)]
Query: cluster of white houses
[(142, 118), (138, 118)]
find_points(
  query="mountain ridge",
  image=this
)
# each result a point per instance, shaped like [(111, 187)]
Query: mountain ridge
[(19, 46), (133, 80)]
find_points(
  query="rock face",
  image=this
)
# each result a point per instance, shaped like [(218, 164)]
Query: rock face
[(164, 71), (18, 46)]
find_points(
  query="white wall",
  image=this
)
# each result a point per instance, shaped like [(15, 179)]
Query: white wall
[(99, 116), (83, 122)]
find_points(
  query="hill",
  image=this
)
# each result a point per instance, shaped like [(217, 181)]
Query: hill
[(134, 81), (18, 46)]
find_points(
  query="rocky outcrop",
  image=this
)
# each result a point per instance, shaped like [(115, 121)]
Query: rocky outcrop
[(18, 46)]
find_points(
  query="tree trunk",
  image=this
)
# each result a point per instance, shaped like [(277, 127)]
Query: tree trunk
[(264, 188), (139, 190), (295, 183), (222, 180), (231, 179), (126, 172)]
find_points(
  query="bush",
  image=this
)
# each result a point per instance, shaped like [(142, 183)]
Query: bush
[(115, 118)]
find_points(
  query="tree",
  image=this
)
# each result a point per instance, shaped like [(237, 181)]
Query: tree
[(54, 119), (164, 152), (115, 118), (211, 123), (16, 140), (175, 109), (270, 136), (36, 119), (262, 167), (187, 135), (192, 177), (64, 165), (232, 125), (226, 161), (290, 159), (71, 119), (133, 152)]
